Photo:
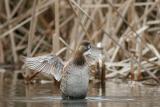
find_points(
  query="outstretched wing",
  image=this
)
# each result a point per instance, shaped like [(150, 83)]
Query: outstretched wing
[(93, 55), (50, 64)]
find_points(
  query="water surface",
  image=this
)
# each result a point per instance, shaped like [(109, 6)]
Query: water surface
[(115, 93)]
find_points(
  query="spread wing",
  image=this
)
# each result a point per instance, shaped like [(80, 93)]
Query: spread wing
[(93, 55), (50, 64)]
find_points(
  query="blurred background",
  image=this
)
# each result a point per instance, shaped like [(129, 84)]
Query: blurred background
[(128, 31)]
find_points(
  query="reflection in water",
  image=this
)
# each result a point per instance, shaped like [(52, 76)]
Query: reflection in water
[(14, 93), (77, 103)]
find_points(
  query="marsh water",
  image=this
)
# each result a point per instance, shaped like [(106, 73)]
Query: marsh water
[(114, 93)]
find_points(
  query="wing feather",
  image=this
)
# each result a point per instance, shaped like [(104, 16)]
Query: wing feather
[(49, 64)]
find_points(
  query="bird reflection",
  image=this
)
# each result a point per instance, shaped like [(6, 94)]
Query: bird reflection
[(74, 103)]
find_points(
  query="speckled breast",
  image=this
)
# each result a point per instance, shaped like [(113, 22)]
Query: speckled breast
[(75, 80)]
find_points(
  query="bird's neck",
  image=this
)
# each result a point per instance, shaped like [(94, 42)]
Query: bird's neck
[(79, 58)]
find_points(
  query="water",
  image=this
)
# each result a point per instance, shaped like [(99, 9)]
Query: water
[(115, 93)]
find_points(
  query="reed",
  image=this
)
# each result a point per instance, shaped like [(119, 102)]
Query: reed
[(127, 29)]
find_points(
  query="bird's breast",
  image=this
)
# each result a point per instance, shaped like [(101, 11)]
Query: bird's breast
[(75, 82)]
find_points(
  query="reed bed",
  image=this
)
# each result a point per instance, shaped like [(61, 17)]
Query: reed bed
[(127, 30)]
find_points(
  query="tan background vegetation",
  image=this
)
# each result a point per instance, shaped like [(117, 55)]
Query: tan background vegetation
[(128, 30)]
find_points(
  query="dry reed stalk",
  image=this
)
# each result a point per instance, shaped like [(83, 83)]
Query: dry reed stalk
[(106, 42), (139, 56), (145, 14), (80, 22), (42, 6), (12, 38), (1, 52), (56, 34), (19, 25), (32, 28), (125, 21), (31, 35), (67, 45), (37, 45), (104, 31), (154, 50), (89, 24), (16, 7), (16, 20), (74, 39), (125, 8), (116, 5), (139, 50), (145, 11)]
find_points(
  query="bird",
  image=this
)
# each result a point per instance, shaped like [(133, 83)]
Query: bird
[(72, 74)]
